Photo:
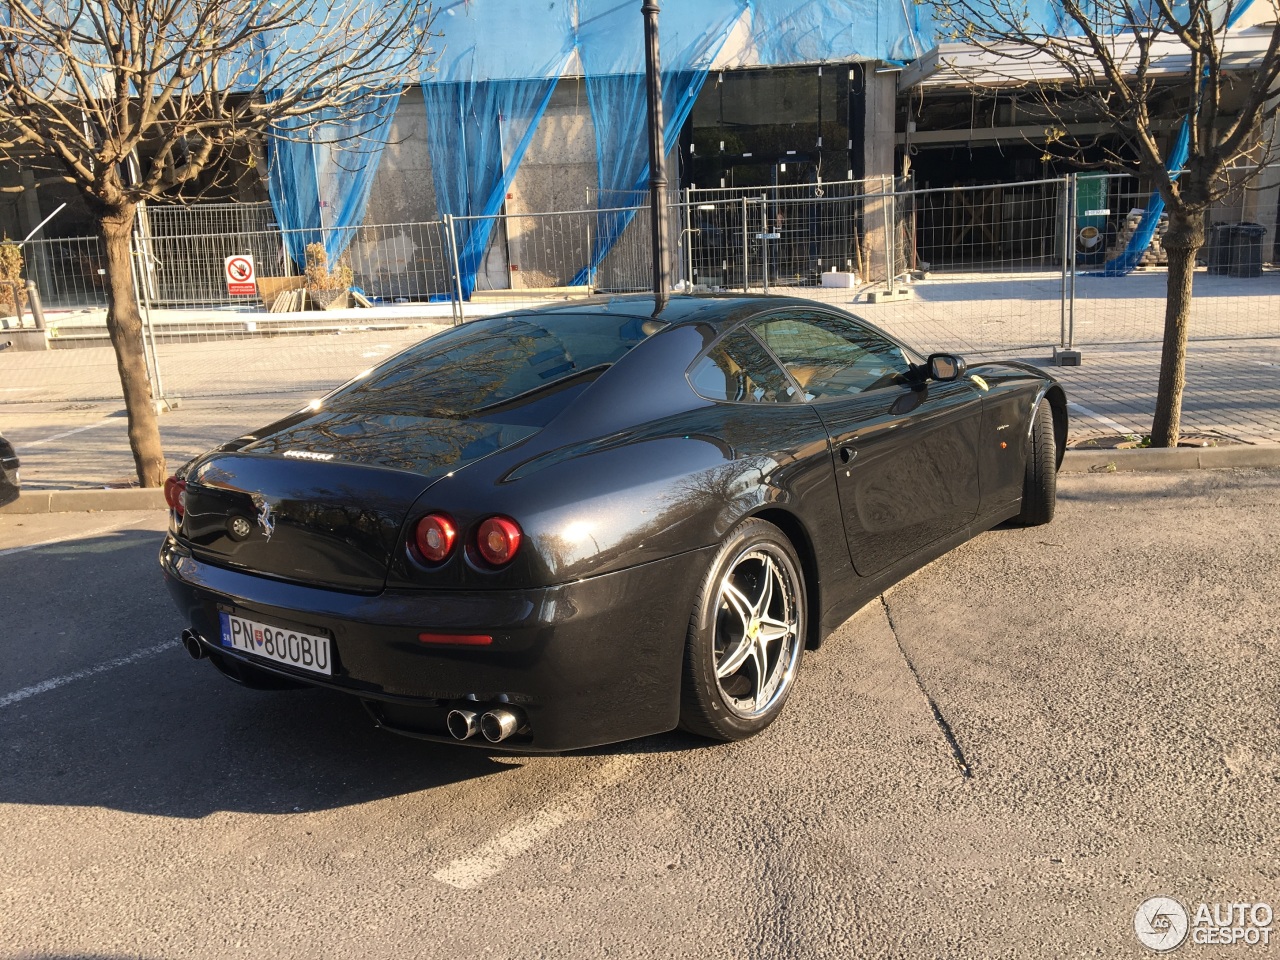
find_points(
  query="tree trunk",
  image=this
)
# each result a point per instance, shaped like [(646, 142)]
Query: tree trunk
[(124, 324), (1183, 240)]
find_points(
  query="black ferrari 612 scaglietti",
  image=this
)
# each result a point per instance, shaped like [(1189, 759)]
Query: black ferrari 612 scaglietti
[(574, 525)]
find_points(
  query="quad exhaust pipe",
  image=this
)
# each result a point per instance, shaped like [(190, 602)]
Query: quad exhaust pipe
[(495, 724), (501, 722), (191, 643), (463, 724)]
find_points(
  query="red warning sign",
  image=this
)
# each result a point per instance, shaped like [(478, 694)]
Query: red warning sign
[(241, 279)]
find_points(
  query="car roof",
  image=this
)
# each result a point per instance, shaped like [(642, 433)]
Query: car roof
[(716, 308)]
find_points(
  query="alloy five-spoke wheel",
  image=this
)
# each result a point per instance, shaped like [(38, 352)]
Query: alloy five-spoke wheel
[(746, 636)]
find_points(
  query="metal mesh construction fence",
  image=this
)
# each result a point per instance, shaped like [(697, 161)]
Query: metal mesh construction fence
[(1002, 269), (70, 273), (1236, 293)]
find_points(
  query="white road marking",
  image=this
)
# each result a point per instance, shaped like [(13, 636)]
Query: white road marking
[(1093, 415), (466, 873), (67, 433), (82, 535), (47, 685)]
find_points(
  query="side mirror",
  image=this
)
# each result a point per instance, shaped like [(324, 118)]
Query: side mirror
[(946, 366)]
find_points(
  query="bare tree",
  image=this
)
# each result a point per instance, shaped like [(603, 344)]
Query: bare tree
[(136, 100), (1110, 60)]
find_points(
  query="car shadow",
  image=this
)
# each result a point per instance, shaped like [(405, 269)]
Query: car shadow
[(168, 737), (105, 719), (95, 709)]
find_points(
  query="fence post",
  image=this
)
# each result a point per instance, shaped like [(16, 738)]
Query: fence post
[(1075, 232), (1065, 354), (890, 243), (688, 237), (746, 261), (764, 241), (456, 299), (1067, 240)]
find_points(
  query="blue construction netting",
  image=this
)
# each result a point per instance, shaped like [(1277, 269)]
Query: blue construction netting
[(293, 187), (817, 31), (480, 118), (509, 40), (319, 177), (497, 67), (613, 67), (478, 134)]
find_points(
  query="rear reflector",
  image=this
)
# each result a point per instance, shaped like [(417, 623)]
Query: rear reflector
[(457, 639)]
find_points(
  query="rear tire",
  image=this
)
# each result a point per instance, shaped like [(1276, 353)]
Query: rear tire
[(1040, 481), (746, 635)]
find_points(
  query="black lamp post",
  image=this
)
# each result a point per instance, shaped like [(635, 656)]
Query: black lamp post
[(657, 155)]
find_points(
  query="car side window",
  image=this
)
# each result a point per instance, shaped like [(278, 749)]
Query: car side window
[(739, 370), (832, 356)]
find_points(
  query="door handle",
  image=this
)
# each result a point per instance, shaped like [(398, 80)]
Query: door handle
[(847, 454)]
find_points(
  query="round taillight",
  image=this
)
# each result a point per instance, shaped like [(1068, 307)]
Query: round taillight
[(175, 495), (433, 538), (497, 540)]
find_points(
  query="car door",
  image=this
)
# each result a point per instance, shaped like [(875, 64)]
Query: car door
[(904, 452)]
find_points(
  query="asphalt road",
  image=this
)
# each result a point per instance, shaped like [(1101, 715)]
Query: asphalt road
[(1006, 756)]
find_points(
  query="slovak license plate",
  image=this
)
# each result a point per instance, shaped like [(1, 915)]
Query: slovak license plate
[(292, 647)]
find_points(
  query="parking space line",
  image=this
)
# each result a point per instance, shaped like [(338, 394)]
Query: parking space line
[(466, 873), (68, 433), (82, 535), (1093, 415), (47, 685)]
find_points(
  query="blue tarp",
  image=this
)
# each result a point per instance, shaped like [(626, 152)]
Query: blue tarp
[(613, 64), (319, 178), (497, 63)]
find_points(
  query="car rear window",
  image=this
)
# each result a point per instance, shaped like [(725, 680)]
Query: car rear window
[(520, 370)]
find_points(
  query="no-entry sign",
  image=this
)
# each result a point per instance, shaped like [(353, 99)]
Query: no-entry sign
[(241, 280)]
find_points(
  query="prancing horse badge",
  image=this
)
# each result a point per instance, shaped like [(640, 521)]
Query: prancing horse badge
[(265, 520)]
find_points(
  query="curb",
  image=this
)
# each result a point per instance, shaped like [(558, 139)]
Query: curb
[(1075, 461), (76, 501), (1177, 458)]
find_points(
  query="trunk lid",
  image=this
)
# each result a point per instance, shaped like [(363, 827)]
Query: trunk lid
[(322, 500)]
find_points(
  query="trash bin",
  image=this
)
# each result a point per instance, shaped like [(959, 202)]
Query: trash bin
[(1218, 254), (1245, 258)]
